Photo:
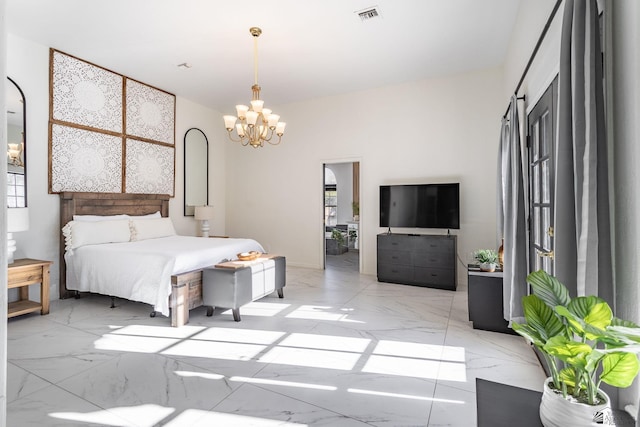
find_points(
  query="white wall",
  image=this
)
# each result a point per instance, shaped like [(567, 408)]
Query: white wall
[(436, 130), (531, 20), (28, 65)]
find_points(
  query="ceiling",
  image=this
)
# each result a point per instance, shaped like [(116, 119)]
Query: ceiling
[(308, 48)]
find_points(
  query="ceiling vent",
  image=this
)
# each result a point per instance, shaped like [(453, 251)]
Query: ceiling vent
[(369, 13)]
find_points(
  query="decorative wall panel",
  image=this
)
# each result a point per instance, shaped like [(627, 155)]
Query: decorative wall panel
[(85, 94), (150, 113), (89, 107), (85, 161), (150, 168)]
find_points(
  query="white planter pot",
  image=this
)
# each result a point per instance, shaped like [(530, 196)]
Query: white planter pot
[(556, 411), (488, 267)]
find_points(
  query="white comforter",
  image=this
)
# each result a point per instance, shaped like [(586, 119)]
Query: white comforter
[(141, 271)]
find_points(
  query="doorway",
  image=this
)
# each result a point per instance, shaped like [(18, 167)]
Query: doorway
[(341, 215)]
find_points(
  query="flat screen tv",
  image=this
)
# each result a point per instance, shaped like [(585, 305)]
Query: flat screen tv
[(420, 206)]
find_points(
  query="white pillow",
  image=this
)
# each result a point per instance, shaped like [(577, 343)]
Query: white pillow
[(81, 233), (153, 215), (95, 218), (143, 229)]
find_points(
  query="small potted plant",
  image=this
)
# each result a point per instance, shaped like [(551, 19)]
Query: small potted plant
[(583, 345), (487, 258), (355, 207), (336, 245)]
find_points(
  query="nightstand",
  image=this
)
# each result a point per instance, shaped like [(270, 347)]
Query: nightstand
[(21, 274)]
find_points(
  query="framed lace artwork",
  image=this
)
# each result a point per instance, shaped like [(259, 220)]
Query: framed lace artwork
[(88, 138), (150, 113), (150, 168), (85, 161), (85, 94)]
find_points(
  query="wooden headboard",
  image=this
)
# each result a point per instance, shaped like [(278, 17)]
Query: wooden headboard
[(72, 203)]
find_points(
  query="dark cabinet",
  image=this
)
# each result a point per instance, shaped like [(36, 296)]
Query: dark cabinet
[(418, 259), (485, 302)]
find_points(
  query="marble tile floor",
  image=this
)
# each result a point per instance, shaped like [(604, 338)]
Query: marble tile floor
[(340, 349)]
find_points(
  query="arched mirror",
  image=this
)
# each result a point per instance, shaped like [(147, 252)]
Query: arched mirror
[(196, 170), (16, 144)]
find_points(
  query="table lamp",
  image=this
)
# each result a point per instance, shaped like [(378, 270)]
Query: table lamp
[(204, 214), (17, 220)]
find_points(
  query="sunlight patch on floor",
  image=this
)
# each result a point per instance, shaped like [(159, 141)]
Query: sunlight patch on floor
[(316, 312), (203, 375), (311, 358), (283, 383), (199, 418), (247, 336), (147, 415), (159, 331), (134, 344), (403, 396), (215, 350), (421, 351), (326, 342), (263, 309), (389, 365)]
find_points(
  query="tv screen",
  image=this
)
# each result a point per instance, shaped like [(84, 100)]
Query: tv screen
[(420, 206)]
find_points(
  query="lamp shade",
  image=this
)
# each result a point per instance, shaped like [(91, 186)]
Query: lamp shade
[(204, 213), (17, 219)]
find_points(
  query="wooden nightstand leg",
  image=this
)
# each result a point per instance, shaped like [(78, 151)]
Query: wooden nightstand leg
[(44, 290)]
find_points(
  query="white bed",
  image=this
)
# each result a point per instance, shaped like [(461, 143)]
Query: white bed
[(166, 276), (142, 270)]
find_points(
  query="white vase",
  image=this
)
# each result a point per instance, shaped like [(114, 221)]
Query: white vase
[(489, 267), (556, 411)]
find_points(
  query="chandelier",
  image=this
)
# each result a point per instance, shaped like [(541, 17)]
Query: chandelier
[(257, 124)]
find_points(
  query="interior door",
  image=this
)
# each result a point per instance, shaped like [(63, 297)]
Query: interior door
[(541, 142)]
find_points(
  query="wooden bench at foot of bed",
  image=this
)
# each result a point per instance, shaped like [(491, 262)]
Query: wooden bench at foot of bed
[(186, 294)]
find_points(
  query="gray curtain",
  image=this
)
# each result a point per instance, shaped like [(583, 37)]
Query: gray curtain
[(582, 229), (512, 214)]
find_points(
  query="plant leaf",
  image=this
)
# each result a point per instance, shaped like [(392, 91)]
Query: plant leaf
[(572, 352), (620, 322), (619, 369), (593, 310), (541, 318), (529, 333), (548, 289), (568, 376), (587, 316)]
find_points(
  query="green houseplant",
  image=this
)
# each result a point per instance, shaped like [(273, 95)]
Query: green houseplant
[(355, 208), (581, 341), (487, 258)]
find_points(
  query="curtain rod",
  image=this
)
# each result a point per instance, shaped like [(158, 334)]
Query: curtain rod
[(535, 50), (519, 98)]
